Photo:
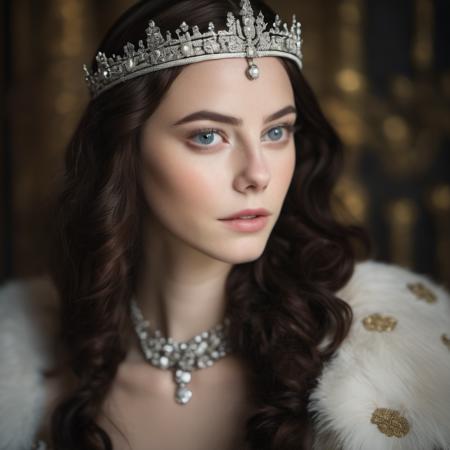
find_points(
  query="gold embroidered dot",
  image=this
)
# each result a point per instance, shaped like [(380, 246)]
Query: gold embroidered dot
[(390, 422), (422, 292), (377, 322), (446, 340)]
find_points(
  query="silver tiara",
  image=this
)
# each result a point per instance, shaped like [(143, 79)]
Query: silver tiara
[(247, 39)]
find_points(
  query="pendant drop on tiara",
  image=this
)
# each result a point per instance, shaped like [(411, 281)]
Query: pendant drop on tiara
[(201, 351), (252, 71)]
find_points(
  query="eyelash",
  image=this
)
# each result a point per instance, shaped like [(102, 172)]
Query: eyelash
[(290, 128)]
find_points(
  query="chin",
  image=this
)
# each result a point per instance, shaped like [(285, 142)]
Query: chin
[(240, 253)]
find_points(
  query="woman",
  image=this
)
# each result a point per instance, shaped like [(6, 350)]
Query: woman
[(163, 156)]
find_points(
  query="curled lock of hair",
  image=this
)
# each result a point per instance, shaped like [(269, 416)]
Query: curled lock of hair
[(282, 306)]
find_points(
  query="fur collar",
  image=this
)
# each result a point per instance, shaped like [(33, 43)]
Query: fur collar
[(388, 390), (26, 328), (383, 390)]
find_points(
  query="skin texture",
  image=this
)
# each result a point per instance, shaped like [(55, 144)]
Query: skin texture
[(189, 183)]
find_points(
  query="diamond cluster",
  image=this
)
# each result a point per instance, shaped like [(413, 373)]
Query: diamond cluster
[(198, 352)]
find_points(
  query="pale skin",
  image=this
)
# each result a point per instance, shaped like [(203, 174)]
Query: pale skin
[(190, 180)]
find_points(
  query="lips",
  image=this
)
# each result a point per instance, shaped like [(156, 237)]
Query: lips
[(247, 212), (247, 225)]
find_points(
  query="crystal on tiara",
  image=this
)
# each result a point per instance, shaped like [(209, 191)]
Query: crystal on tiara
[(244, 38)]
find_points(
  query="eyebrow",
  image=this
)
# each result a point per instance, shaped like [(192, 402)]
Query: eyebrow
[(217, 117)]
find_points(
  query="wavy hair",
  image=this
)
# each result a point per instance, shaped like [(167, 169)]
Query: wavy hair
[(282, 306)]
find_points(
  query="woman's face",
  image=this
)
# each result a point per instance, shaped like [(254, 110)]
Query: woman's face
[(193, 177)]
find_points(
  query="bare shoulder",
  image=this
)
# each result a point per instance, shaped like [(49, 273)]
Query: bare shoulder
[(388, 384)]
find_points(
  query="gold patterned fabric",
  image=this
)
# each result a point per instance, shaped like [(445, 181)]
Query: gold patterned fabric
[(377, 322), (446, 340), (390, 422), (422, 292)]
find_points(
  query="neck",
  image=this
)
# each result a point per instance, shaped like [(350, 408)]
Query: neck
[(180, 290)]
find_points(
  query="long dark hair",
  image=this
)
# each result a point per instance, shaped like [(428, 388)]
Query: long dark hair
[(282, 305)]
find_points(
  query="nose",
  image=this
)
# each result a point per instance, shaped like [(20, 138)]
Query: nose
[(254, 172)]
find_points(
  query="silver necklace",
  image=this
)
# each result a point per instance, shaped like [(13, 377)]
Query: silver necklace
[(201, 351)]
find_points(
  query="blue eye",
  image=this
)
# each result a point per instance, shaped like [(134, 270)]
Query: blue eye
[(276, 133), (206, 136)]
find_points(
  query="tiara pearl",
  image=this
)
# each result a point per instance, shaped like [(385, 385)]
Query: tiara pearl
[(245, 37)]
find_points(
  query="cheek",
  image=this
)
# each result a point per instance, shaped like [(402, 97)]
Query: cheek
[(192, 187), (285, 170), (177, 182)]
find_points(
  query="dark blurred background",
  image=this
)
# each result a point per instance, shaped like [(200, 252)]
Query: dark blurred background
[(381, 69)]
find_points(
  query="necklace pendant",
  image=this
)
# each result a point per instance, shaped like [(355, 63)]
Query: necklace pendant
[(199, 352), (182, 378), (183, 394)]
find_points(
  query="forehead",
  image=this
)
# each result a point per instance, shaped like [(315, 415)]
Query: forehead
[(222, 85)]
